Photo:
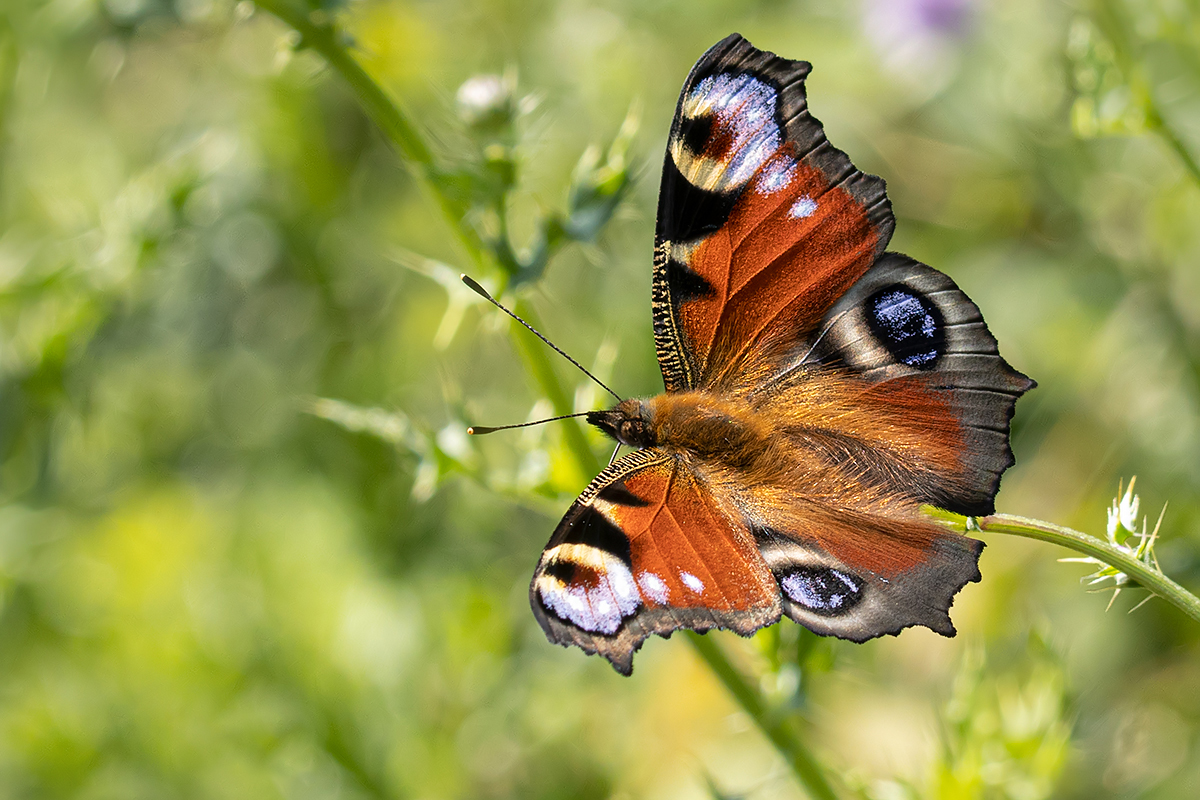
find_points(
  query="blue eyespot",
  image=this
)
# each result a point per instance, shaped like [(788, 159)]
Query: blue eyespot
[(908, 325), (822, 590)]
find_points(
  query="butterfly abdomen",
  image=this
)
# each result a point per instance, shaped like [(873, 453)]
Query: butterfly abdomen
[(729, 440), (808, 443)]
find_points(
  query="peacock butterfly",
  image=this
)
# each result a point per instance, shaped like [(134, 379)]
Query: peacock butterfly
[(819, 390)]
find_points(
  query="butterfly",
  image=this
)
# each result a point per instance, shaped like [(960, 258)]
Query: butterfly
[(818, 391)]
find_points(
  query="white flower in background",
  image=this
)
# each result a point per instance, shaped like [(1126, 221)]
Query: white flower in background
[(485, 100), (1123, 534)]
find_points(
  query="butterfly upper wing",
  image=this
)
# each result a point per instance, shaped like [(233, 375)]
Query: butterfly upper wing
[(770, 245), (762, 224), (647, 549)]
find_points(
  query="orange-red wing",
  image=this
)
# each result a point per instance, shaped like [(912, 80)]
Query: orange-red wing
[(762, 224), (647, 550)]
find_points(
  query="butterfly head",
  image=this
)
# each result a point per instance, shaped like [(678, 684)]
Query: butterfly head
[(629, 423)]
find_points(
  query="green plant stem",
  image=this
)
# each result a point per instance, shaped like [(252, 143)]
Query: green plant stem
[(1139, 571), (1144, 574), (1157, 124), (776, 728), (1110, 18), (322, 37), (317, 33)]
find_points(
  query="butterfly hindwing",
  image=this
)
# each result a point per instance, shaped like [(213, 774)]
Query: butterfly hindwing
[(762, 224), (644, 550), (922, 346), (857, 576)]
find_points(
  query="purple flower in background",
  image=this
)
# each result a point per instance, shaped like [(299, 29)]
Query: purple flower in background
[(923, 19), (948, 18), (919, 38)]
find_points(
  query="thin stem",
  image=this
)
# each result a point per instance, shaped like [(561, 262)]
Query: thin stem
[(1138, 570), (317, 33), (1141, 572), (1157, 124), (1110, 18), (323, 38), (775, 727)]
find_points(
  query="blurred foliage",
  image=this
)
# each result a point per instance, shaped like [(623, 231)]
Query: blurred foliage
[(1002, 735), (245, 546)]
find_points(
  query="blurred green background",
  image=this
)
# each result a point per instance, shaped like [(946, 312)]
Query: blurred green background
[(246, 549)]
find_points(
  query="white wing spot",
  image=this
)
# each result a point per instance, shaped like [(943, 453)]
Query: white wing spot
[(777, 174), (692, 582), (804, 207), (654, 587), (623, 586)]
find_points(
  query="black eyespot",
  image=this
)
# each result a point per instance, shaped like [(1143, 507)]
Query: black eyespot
[(821, 589), (562, 571), (908, 325), (696, 131)]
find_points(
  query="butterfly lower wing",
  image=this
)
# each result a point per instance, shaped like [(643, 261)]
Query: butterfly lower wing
[(647, 550), (932, 397), (762, 224), (859, 575)]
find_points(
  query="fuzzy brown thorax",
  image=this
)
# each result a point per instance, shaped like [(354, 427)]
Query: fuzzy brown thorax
[(698, 423)]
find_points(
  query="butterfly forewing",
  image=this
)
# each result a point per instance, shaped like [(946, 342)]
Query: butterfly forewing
[(646, 549), (762, 224)]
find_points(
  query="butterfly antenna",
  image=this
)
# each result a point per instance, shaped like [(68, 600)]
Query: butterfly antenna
[(480, 430), (479, 290)]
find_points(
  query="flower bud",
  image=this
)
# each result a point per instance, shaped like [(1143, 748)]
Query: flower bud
[(486, 102)]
